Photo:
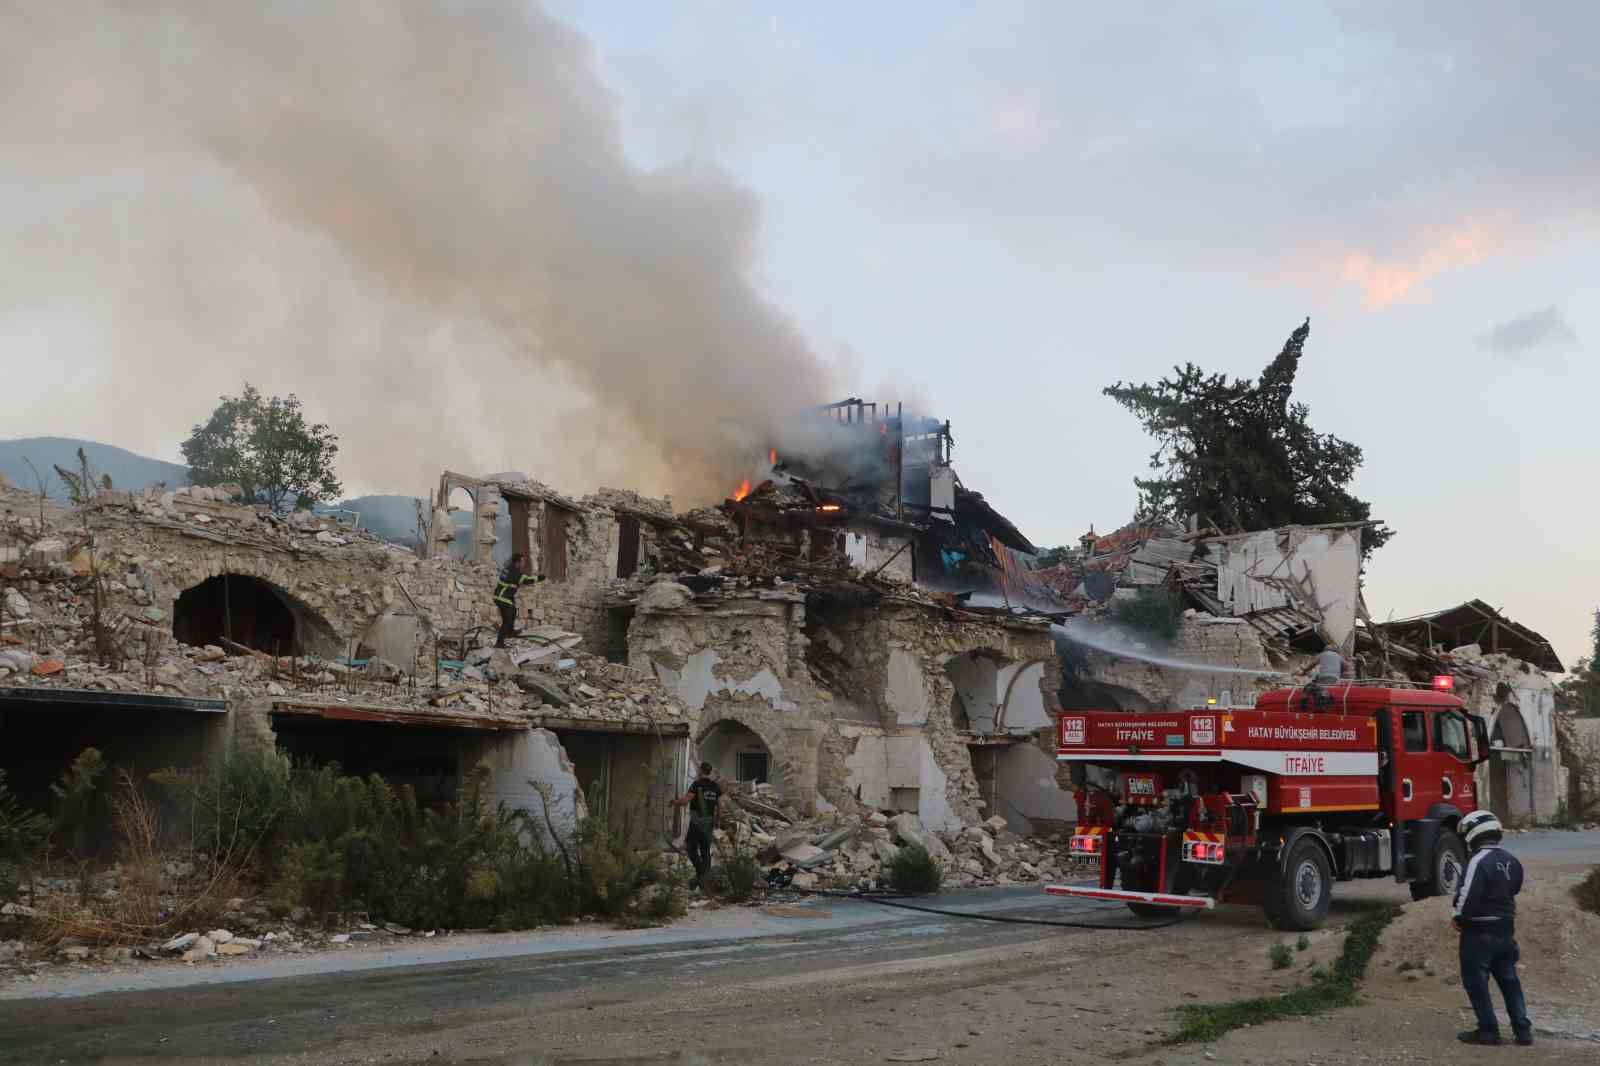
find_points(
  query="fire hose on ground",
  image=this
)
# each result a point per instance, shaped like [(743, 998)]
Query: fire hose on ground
[(897, 901)]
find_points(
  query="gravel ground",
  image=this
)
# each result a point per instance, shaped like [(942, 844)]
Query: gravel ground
[(908, 991)]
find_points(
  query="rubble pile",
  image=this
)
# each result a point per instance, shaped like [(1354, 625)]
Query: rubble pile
[(850, 852), (249, 930)]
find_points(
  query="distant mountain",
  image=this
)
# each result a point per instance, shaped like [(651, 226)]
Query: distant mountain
[(127, 470), (394, 518)]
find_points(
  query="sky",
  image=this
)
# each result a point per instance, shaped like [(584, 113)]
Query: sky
[(988, 210)]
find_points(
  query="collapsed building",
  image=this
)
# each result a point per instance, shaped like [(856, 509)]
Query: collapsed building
[(852, 632), (1265, 601), (165, 627)]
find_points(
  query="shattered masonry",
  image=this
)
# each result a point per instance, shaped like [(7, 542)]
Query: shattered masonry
[(853, 631)]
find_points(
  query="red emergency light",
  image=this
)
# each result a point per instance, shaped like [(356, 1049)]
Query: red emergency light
[(1085, 844), (1444, 683), (1211, 852)]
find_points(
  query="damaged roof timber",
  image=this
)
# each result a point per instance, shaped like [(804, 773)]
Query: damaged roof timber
[(346, 712)]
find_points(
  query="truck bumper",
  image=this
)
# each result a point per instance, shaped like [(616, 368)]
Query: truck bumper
[(1158, 899)]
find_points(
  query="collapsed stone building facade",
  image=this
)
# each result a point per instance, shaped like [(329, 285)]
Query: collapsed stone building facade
[(222, 625), (853, 629)]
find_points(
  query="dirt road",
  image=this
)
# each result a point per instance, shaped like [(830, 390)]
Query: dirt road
[(837, 983)]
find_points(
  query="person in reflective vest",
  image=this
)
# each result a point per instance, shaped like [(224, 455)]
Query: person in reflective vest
[(512, 578)]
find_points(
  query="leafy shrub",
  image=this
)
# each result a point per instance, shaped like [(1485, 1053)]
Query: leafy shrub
[(1587, 892), (610, 871), (1303, 943), (1281, 956), (1151, 609), (658, 907), (914, 870), (231, 804), (22, 834), (736, 878), (311, 875), (76, 796)]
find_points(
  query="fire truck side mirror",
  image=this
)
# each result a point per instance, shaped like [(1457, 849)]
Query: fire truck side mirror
[(1480, 730)]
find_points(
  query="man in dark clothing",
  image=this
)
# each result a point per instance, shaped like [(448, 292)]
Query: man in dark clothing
[(702, 799), (1486, 915), (512, 578)]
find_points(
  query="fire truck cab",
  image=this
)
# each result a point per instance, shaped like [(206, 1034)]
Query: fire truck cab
[(1272, 804)]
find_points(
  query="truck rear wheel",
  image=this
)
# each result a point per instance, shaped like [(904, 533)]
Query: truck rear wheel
[(1449, 863), (1298, 896)]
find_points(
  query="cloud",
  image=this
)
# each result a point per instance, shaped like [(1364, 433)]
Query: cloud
[(1518, 336), (1383, 282), (1399, 142)]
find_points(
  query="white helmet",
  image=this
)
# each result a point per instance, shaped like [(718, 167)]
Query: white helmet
[(1476, 824)]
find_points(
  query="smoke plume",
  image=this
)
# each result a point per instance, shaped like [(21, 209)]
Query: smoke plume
[(417, 216)]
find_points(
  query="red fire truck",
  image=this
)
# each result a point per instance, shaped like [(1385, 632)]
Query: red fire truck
[(1271, 804)]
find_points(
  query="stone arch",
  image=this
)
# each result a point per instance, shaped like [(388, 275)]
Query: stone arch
[(462, 542), (722, 725), (974, 679), (1022, 697), (1082, 695), (1511, 765), (257, 612)]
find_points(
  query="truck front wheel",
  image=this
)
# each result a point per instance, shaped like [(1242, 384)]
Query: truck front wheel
[(1449, 862), (1299, 895)]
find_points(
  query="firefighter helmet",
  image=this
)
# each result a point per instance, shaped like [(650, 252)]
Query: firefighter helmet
[(1475, 825)]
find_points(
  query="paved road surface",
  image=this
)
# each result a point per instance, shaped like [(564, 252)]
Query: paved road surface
[(511, 1000)]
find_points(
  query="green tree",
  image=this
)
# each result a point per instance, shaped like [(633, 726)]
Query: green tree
[(265, 446), (1579, 692), (1239, 453)]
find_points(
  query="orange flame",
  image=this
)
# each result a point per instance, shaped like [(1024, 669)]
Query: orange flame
[(743, 490), (772, 457), (830, 507)]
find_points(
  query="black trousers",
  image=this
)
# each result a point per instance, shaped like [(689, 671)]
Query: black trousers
[(698, 843), (508, 620), (1490, 953)]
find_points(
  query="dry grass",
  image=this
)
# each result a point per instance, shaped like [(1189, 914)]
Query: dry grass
[(149, 904)]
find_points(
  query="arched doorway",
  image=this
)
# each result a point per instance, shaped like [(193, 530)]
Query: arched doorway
[(241, 609), (974, 676), (1511, 766), (737, 753), (462, 506)]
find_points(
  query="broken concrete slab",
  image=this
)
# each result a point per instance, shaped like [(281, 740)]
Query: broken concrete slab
[(544, 687), (908, 829), (805, 856)]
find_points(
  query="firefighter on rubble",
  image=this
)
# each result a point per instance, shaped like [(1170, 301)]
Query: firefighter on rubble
[(512, 578), (1486, 915)]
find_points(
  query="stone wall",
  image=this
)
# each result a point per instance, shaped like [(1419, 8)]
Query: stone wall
[(1232, 662), (736, 658), (1517, 701), (894, 660)]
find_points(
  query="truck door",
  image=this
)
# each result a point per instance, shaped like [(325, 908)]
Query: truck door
[(1415, 774), (1451, 743)]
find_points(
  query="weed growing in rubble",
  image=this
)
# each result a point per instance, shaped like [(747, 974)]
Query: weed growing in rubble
[(1282, 958), (232, 804), (1152, 609), (328, 842), (735, 878), (1303, 943), (1587, 892), (914, 870), (76, 801), (22, 834)]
